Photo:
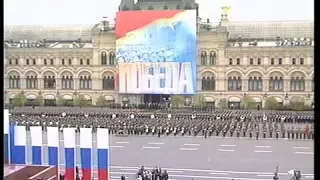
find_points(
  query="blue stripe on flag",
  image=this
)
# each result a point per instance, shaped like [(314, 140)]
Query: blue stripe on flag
[(53, 156), (37, 155), (103, 162), (86, 158), (69, 155)]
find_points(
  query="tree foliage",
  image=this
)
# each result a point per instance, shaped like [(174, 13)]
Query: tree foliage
[(80, 101), (223, 103), (271, 103), (19, 99), (177, 101), (61, 101), (248, 102), (101, 101), (297, 104), (39, 100), (199, 100)]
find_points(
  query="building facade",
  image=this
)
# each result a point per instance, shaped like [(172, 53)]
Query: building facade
[(235, 59)]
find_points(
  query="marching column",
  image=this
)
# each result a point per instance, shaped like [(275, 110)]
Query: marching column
[(103, 153), (69, 145), (85, 150), (18, 141), (36, 142)]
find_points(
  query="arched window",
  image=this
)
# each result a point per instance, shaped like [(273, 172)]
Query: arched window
[(178, 7), (255, 84), (203, 57), (85, 82), (125, 8), (208, 83), (297, 84), (112, 58), (108, 83), (276, 84), (212, 59), (103, 58), (14, 82), (32, 82), (49, 82), (150, 8), (67, 82), (234, 84), (165, 8)]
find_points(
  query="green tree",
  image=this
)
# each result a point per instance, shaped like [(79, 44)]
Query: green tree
[(223, 103), (39, 100), (80, 101), (19, 99), (177, 101), (101, 101), (61, 101), (247, 102), (297, 104), (271, 103), (199, 100)]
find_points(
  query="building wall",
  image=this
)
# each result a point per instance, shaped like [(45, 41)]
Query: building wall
[(208, 42)]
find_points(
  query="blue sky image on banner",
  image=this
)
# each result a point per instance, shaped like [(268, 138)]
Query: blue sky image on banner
[(157, 55)]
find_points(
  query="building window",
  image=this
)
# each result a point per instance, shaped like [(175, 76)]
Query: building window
[(208, 84), (10, 61), (297, 84), (17, 61), (293, 61), (51, 62), (165, 8), (45, 62), (32, 82), (108, 83), (150, 8), (238, 61), (27, 62), (203, 57), (259, 61), (112, 58), (234, 84), (69, 62), (301, 61), (67, 82), (276, 84), (272, 61), (212, 58), (103, 58), (230, 61), (81, 61), (251, 61), (85, 82), (49, 82), (34, 61), (14, 82), (62, 62), (280, 61), (255, 84), (88, 61)]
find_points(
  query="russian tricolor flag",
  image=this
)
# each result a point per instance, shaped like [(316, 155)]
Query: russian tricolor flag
[(18, 141), (53, 146), (69, 135), (36, 142), (6, 149), (85, 150), (103, 153)]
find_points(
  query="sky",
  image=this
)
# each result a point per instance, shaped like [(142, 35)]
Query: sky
[(61, 12)]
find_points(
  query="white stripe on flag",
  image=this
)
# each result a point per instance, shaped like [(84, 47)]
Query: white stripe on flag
[(85, 138), (53, 136), (6, 121), (20, 136), (36, 135), (69, 135), (102, 138)]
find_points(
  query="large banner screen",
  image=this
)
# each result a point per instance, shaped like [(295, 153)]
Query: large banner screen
[(157, 51)]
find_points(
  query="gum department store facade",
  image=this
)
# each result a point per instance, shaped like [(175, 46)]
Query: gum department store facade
[(258, 59)]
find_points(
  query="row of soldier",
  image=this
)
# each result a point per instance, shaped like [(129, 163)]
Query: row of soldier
[(221, 123)]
